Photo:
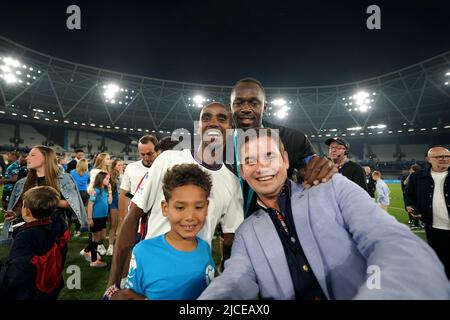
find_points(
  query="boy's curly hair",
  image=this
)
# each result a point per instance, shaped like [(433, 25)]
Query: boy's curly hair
[(186, 174)]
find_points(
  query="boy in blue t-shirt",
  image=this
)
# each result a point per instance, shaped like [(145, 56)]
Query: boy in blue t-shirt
[(177, 265)]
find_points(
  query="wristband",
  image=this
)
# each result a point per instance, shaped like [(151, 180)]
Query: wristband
[(110, 292)]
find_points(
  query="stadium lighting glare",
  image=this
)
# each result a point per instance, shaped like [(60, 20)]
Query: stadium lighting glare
[(198, 99), (380, 126), (362, 100), (354, 129), (117, 128), (56, 120), (423, 129), (10, 78), (66, 121), (25, 116), (111, 90), (279, 102), (2, 112), (410, 130), (434, 128), (447, 127), (282, 108)]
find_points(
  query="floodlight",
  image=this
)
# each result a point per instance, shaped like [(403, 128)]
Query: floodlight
[(279, 102), (10, 78), (111, 90), (198, 99)]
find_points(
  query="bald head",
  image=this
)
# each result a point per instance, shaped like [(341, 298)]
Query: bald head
[(439, 158)]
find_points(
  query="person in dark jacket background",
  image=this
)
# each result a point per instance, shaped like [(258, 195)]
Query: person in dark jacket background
[(427, 196), (79, 154), (338, 153), (36, 238), (413, 222), (371, 184)]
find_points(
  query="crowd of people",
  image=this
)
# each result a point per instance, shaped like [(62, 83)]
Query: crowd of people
[(292, 225)]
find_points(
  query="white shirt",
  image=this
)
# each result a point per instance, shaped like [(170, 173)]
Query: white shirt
[(440, 213), (134, 172), (225, 202), (93, 174)]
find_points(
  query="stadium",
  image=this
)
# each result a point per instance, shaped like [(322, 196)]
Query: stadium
[(390, 120)]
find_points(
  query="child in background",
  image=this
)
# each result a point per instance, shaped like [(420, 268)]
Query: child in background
[(33, 270), (382, 190), (177, 265), (97, 213), (81, 176)]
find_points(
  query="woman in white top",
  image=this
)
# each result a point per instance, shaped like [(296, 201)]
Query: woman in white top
[(102, 163)]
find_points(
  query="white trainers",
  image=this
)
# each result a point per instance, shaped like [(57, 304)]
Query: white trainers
[(86, 255), (101, 249), (98, 264), (110, 250)]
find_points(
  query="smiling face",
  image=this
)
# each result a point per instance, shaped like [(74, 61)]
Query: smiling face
[(264, 167), (186, 210), (35, 159), (247, 105), (214, 122)]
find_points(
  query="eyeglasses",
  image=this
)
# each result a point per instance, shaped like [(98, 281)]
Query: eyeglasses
[(336, 148), (446, 157)]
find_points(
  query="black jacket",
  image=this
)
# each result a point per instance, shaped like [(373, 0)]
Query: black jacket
[(371, 185), (419, 194), (71, 165), (355, 173), (18, 275)]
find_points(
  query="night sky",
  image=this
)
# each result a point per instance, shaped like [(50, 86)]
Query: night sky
[(282, 43)]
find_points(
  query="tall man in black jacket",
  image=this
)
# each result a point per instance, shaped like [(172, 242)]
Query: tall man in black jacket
[(248, 104), (338, 150), (427, 196), (79, 154)]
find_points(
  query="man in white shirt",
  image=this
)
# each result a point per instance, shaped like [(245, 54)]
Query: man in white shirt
[(225, 202), (427, 196), (134, 173)]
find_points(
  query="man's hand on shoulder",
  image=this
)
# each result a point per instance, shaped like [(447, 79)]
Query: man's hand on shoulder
[(318, 170)]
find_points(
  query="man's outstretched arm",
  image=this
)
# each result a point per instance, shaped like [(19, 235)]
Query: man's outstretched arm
[(124, 244)]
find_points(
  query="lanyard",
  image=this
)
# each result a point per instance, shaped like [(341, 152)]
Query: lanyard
[(250, 190)]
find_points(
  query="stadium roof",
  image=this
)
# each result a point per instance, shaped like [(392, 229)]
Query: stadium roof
[(39, 87)]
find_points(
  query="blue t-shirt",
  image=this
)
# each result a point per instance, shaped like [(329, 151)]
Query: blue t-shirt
[(81, 181), (11, 170), (100, 206), (161, 272)]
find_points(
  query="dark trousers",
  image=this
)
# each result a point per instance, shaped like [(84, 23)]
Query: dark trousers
[(439, 240)]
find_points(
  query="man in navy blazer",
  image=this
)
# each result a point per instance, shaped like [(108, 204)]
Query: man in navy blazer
[(328, 242)]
